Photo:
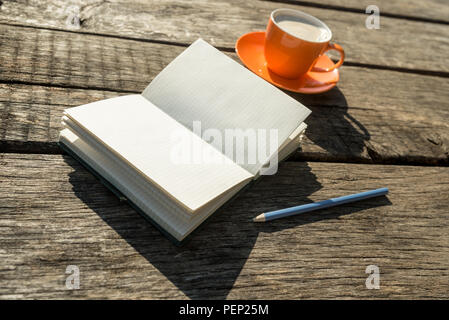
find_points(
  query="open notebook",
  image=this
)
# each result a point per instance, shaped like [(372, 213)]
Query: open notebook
[(202, 130)]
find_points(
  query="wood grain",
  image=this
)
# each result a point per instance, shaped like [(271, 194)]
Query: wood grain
[(53, 213), (428, 10), (398, 43), (79, 60), (363, 120)]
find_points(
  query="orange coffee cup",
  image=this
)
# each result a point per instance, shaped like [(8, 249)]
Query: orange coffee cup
[(293, 42)]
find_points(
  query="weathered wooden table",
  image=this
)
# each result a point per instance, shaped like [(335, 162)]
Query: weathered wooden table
[(386, 124)]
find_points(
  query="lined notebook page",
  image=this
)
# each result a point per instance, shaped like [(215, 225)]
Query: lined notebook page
[(203, 84), (145, 137)]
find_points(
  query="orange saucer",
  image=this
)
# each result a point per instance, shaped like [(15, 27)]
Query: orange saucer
[(250, 49)]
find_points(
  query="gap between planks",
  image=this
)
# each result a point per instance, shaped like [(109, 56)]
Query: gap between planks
[(63, 86)]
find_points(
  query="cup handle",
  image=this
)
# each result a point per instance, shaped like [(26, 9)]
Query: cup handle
[(332, 46)]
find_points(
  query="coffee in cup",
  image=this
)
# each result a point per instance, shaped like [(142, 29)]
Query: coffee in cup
[(293, 42)]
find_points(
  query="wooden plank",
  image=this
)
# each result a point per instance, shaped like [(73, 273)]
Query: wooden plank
[(78, 60), (53, 214), (374, 115), (398, 43), (429, 10), (30, 116), (30, 121)]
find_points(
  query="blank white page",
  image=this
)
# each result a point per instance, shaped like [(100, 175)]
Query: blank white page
[(143, 136), (203, 84)]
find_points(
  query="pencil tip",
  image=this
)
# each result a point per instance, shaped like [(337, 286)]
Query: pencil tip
[(259, 218)]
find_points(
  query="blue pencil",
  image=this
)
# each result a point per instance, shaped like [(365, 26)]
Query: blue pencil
[(267, 216)]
